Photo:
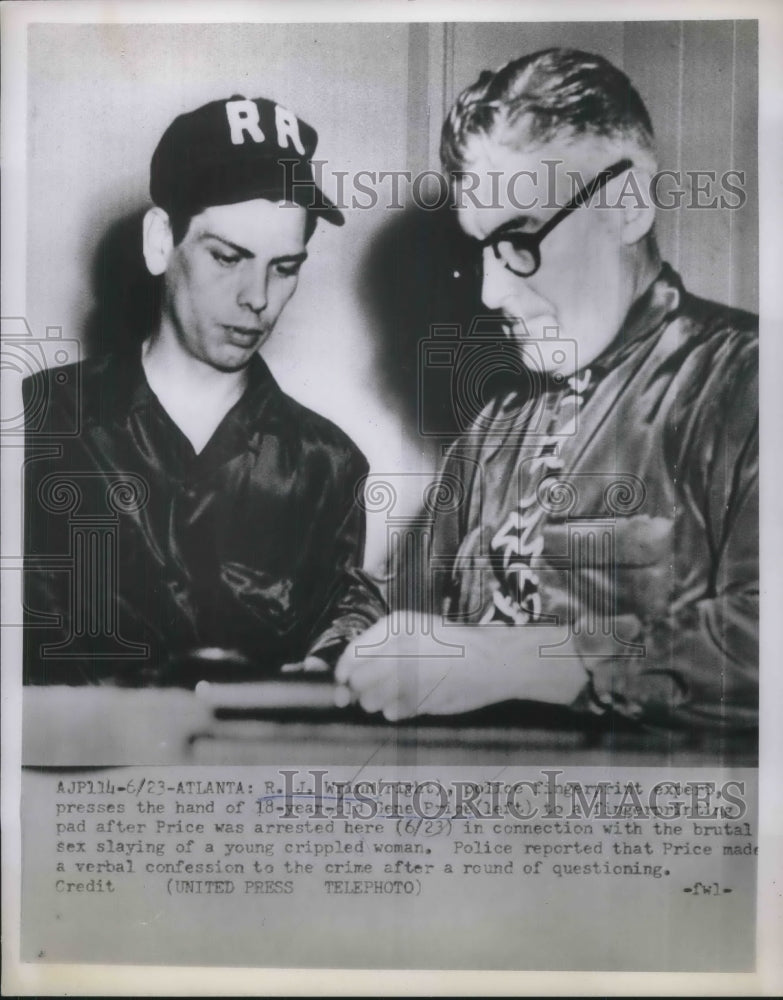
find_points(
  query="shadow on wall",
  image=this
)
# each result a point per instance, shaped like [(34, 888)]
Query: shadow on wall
[(440, 355), (126, 297)]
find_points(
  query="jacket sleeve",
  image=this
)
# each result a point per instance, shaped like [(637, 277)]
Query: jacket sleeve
[(353, 602), (700, 664)]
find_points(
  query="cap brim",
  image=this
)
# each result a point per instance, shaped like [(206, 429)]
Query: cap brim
[(194, 192), (321, 206)]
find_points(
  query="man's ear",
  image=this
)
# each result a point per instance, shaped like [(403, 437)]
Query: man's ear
[(635, 200), (158, 241)]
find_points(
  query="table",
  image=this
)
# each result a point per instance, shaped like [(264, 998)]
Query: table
[(98, 726)]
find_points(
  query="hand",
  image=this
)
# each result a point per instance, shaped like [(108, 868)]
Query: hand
[(310, 664), (403, 678)]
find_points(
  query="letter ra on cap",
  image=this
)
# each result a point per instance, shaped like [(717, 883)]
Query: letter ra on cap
[(287, 126), (243, 119)]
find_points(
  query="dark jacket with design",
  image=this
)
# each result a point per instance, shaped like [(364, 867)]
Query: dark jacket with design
[(649, 566)]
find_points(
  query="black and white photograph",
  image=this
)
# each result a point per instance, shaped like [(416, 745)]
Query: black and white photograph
[(381, 477)]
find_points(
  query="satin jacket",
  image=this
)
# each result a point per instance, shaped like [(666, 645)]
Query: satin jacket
[(648, 570), (139, 550)]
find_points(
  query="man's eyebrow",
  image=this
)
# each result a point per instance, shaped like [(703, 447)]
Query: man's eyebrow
[(292, 258), (242, 251)]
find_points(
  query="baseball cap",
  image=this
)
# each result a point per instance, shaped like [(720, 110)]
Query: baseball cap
[(236, 150)]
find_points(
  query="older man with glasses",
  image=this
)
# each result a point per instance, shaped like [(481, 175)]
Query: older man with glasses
[(604, 555)]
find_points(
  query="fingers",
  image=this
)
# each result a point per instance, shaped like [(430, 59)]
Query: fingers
[(364, 675), (373, 683), (398, 688), (314, 664), (390, 675), (386, 637), (380, 693), (343, 696), (309, 665), (347, 664)]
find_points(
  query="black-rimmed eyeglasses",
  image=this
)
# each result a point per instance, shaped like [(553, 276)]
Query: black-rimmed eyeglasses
[(520, 252)]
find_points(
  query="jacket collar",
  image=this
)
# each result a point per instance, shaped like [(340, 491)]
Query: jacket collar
[(657, 305), (115, 387)]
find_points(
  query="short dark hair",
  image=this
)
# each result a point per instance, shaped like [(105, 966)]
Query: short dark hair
[(180, 223), (553, 93)]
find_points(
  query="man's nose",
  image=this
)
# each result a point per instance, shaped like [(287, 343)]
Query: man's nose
[(498, 283), (253, 289)]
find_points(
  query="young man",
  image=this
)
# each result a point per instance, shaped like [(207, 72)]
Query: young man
[(198, 513), (609, 530)]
